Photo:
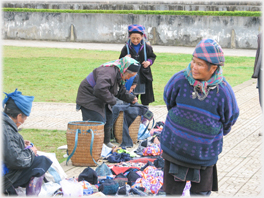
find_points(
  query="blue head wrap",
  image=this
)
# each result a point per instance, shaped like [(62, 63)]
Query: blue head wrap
[(24, 103)]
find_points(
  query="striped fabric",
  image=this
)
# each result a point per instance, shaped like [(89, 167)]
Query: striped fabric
[(210, 51), (193, 131)]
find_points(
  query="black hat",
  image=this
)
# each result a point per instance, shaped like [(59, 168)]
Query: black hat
[(89, 175), (134, 67)]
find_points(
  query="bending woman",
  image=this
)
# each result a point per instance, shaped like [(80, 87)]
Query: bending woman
[(99, 90)]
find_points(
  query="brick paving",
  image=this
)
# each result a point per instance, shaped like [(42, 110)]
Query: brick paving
[(239, 165)]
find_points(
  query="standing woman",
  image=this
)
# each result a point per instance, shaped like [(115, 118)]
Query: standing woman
[(137, 48), (97, 92), (202, 108)]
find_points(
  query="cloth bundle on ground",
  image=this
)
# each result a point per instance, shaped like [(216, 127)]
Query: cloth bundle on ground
[(108, 187), (152, 150), (131, 111), (88, 174), (116, 157), (121, 179), (103, 171), (151, 179)]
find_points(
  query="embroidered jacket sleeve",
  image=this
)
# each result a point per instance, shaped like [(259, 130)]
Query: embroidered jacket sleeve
[(171, 91), (150, 54), (229, 110)]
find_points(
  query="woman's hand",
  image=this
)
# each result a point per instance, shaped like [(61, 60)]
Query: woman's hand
[(34, 149), (146, 64), (135, 100), (27, 143)]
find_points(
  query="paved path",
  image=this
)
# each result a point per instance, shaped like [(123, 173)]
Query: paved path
[(118, 47), (239, 165)]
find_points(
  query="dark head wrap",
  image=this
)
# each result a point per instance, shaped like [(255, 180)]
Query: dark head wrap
[(134, 67), (209, 50), (24, 103)]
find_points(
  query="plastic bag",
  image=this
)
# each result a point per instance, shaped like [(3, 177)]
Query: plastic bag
[(141, 130), (186, 190), (49, 188), (20, 191), (34, 186), (71, 188), (55, 173)]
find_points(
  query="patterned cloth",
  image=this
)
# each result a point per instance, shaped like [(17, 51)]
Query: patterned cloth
[(152, 150), (210, 51), (137, 28), (122, 65), (151, 179)]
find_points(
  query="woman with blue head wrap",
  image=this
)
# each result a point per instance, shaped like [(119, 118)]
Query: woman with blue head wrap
[(20, 162)]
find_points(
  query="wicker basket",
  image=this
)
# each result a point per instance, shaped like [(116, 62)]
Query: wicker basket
[(82, 156), (133, 128)]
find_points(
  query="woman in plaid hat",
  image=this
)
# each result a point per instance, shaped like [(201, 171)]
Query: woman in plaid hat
[(137, 48), (202, 108)]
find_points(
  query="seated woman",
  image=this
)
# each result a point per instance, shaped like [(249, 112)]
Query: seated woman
[(99, 90), (19, 156)]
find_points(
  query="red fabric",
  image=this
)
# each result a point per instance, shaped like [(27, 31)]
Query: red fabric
[(143, 160), (118, 170)]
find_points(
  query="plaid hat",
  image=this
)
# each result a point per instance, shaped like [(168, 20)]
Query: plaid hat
[(136, 29), (209, 50), (89, 175)]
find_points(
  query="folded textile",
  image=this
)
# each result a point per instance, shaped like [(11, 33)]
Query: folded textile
[(103, 170), (121, 179), (117, 170), (109, 187), (116, 158), (89, 175), (182, 173)]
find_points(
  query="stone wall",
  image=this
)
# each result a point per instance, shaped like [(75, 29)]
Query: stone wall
[(140, 5), (230, 32)]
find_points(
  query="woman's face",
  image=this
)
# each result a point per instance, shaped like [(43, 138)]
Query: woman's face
[(127, 75), (136, 38), (20, 119), (200, 70)]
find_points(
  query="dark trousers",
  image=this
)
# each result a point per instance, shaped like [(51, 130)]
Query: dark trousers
[(95, 116), (207, 184), (38, 168)]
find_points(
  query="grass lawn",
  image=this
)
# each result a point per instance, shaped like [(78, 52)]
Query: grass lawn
[(41, 139), (54, 75)]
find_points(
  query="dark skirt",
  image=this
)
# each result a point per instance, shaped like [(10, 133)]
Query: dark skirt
[(208, 181), (148, 97)]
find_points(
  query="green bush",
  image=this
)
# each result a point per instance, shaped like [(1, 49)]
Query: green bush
[(153, 12)]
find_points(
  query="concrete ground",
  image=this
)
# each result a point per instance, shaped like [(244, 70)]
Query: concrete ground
[(239, 165)]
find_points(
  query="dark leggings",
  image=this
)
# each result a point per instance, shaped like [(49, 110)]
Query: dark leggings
[(95, 116)]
